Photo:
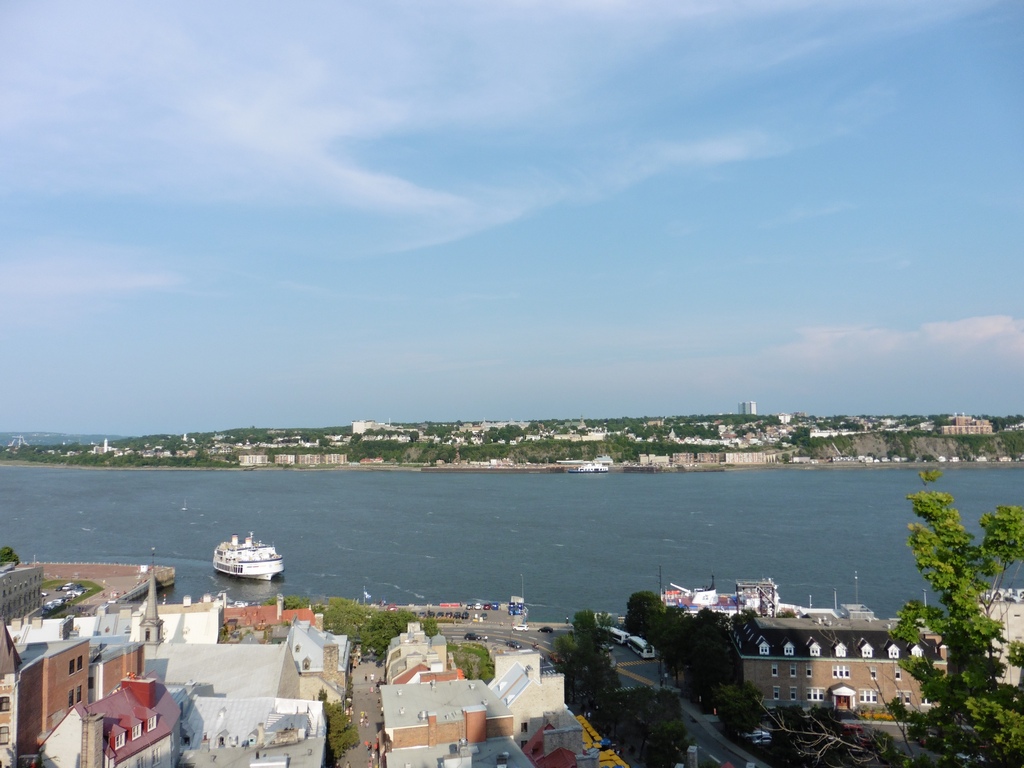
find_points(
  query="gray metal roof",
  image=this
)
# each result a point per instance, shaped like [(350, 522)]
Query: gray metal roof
[(245, 671), (403, 703)]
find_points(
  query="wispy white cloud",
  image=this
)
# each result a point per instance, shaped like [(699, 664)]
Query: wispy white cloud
[(344, 104), (51, 282), (801, 213), (995, 338)]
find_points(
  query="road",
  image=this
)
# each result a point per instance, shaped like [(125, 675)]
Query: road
[(711, 744)]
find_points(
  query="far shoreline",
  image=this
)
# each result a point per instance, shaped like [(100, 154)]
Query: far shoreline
[(552, 469)]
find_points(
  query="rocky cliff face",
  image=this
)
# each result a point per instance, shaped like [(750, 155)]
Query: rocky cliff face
[(931, 448)]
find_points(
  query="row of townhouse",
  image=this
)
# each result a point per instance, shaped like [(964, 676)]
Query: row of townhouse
[(845, 664)]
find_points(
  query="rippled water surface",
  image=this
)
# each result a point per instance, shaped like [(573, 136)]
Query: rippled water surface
[(569, 541)]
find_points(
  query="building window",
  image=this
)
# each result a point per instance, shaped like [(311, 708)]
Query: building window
[(764, 648), (874, 673), (899, 673), (894, 652), (5, 734), (79, 665), (775, 670), (867, 651), (138, 763), (840, 651), (119, 741), (809, 671), (524, 727), (903, 696), (868, 696), (151, 725), (788, 650), (78, 694), (815, 650), (136, 731), (841, 671), (775, 693), (792, 693), (815, 694), (71, 698), (71, 666), (792, 670), (5, 703)]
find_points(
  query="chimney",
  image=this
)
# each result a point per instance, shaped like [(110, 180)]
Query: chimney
[(92, 741), (331, 661), (280, 606), (143, 689)]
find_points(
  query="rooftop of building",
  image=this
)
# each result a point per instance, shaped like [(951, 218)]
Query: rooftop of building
[(404, 705)]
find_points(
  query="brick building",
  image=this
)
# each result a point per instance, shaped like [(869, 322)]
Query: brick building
[(438, 713), (846, 664), (53, 678)]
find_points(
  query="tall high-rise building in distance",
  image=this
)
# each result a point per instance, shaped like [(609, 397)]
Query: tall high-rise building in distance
[(747, 408)]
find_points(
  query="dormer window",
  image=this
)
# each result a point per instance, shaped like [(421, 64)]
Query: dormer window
[(788, 649), (866, 651), (764, 648), (136, 731), (894, 652), (119, 741), (917, 650), (840, 651), (815, 649), (151, 724)]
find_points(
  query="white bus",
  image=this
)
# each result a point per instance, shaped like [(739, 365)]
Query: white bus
[(620, 636), (641, 647)]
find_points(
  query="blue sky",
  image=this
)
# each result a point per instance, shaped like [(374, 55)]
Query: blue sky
[(234, 214)]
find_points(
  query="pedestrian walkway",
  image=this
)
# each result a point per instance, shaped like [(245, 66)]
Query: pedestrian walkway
[(366, 715)]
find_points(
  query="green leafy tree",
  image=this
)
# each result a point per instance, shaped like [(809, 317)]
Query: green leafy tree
[(646, 708), (643, 610), (378, 632), (711, 660), (583, 660), (974, 713), (342, 735), (739, 707), (667, 744), (8, 555), (671, 635), (346, 617)]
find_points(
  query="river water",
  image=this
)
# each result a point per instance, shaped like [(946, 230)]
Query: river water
[(564, 541)]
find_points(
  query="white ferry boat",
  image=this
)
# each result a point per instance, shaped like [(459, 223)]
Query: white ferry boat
[(249, 559), (588, 468)]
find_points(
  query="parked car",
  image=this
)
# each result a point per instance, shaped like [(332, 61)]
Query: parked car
[(546, 630), (513, 644), (759, 736)]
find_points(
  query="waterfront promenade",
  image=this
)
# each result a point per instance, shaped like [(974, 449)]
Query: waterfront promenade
[(120, 582)]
